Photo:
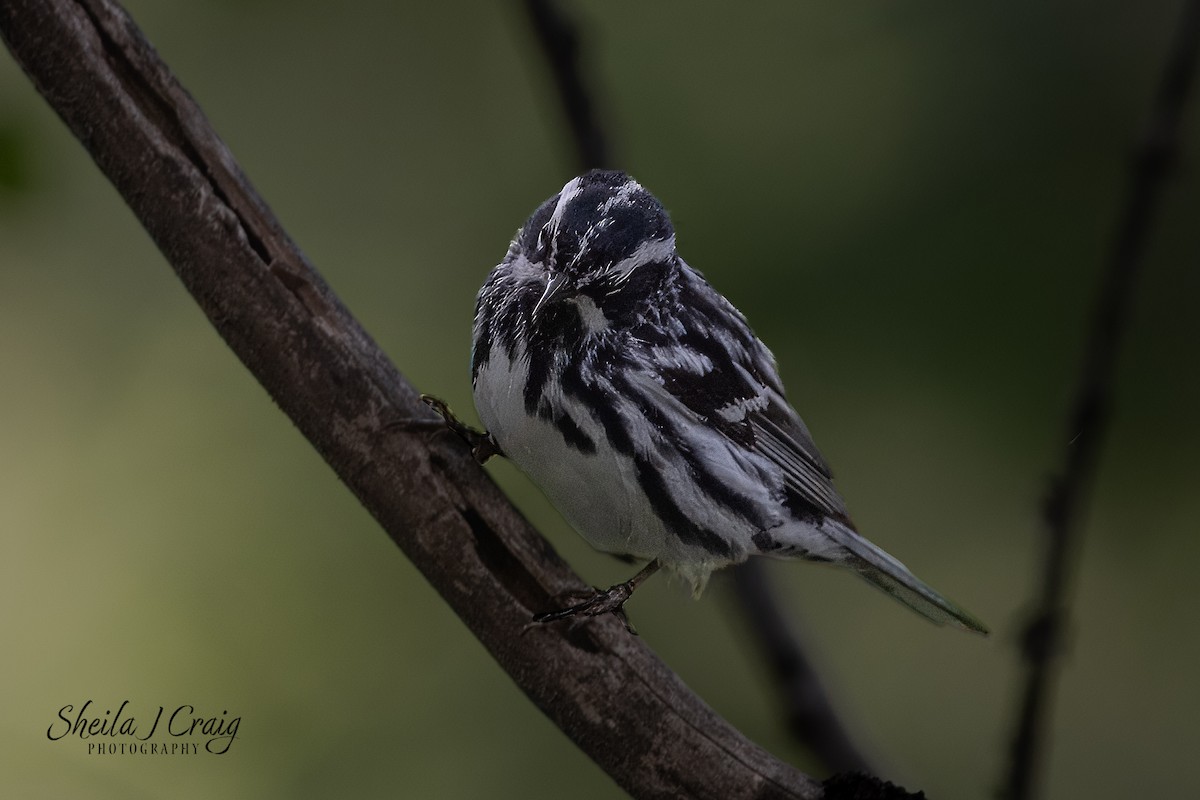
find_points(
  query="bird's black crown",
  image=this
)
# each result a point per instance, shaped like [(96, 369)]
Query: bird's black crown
[(595, 222)]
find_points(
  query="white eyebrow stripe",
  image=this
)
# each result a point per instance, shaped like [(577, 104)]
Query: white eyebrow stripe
[(648, 252)]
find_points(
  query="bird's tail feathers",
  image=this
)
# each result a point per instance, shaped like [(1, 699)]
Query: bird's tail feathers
[(888, 574)]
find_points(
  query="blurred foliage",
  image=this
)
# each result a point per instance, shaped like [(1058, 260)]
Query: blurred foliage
[(912, 203)]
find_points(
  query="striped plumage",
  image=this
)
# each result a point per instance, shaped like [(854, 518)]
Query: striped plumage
[(640, 401)]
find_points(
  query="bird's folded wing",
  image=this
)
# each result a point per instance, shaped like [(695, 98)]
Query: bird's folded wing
[(738, 394), (782, 437)]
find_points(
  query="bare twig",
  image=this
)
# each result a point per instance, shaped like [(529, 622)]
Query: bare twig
[(1067, 498), (810, 715), (600, 685), (559, 39)]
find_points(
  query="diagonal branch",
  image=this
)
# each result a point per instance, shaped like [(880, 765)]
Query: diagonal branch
[(810, 713), (559, 40), (603, 687), (811, 716), (1065, 503)]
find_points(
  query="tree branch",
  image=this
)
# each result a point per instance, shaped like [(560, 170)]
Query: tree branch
[(810, 715), (1088, 423), (559, 40), (603, 687)]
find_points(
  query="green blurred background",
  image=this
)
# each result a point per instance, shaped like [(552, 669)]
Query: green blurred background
[(911, 202)]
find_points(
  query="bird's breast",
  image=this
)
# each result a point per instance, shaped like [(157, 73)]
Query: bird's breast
[(564, 451)]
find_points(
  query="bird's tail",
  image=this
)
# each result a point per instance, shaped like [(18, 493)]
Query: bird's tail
[(888, 574)]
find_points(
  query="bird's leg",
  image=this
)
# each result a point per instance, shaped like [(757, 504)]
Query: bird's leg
[(607, 601), (483, 446)]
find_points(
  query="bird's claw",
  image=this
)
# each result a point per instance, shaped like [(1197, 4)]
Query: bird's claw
[(601, 601), (483, 446)]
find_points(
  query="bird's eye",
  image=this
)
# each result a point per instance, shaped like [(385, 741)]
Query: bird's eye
[(603, 284)]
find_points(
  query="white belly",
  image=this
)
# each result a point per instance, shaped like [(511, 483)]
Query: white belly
[(597, 492)]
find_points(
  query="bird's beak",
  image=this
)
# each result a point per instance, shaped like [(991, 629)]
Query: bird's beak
[(556, 287)]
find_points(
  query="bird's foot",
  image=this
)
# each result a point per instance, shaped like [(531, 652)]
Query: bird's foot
[(483, 446), (602, 601)]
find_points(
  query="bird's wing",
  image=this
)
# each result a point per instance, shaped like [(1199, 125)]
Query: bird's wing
[(727, 377), (781, 436)]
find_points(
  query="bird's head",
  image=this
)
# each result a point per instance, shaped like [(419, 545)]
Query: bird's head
[(592, 238)]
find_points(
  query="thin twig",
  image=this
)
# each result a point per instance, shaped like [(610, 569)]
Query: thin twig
[(559, 40), (1068, 495), (810, 715), (601, 686)]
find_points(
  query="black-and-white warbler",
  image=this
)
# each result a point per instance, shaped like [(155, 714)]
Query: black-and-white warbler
[(643, 405)]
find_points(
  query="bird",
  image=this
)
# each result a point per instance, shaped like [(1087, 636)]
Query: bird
[(640, 401)]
